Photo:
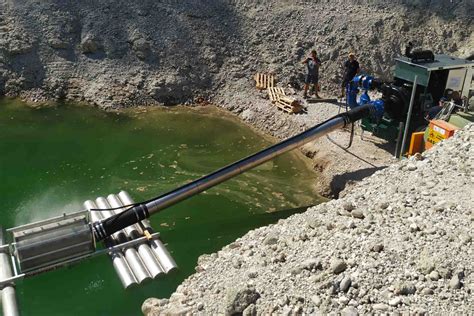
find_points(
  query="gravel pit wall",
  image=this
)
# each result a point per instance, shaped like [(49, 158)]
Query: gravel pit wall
[(399, 241), (116, 53)]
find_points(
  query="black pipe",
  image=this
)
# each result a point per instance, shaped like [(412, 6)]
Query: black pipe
[(140, 212)]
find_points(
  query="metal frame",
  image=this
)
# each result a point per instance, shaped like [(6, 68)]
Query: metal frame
[(443, 66), (47, 221), (107, 250)]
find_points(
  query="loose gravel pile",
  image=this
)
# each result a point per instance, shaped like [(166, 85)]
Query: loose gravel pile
[(400, 241)]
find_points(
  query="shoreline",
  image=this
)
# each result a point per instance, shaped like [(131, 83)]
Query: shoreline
[(331, 176), (335, 168)]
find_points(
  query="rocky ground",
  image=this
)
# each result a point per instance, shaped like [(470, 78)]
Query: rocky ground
[(399, 242)]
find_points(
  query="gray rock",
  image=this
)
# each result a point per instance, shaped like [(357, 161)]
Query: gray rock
[(271, 240), (141, 47), (395, 301), (411, 167), (384, 205), (90, 45), (239, 298), (465, 239), (311, 264), (426, 264), (200, 306), (357, 214), (348, 206), (420, 311), (350, 311), (343, 300), (153, 304), (433, 276), (338, 266), (427, 291), (314, 223), (297, 270), (380, 307), (58, 43), (404, 289), (316, 300), (455, 282), (345, 283), (237, 263), (377, 247)]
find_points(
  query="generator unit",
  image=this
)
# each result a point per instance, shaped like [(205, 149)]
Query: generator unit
[(440, 77)]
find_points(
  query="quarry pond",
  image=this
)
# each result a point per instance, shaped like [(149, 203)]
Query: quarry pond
[(53, 159)]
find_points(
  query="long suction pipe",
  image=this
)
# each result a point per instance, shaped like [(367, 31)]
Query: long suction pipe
[(105, 228)]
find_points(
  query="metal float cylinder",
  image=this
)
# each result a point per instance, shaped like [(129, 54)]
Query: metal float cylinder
[(121, 267), (8, 297), (146, 254), (131, 254), (166, 261)]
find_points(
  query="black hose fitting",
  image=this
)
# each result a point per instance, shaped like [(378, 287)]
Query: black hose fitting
[(119, 221), (356, 114)]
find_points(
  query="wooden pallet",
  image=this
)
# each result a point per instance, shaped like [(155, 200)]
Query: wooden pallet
[(264, 81), (289, 105), (274, 93)]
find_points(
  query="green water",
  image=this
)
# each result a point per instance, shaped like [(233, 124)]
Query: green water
[(53, 159)]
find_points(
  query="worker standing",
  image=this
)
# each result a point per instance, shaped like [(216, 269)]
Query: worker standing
[(351, 68), (312, 63)]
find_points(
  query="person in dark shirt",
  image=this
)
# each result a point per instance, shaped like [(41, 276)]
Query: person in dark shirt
[(351, 68), (312, 63)]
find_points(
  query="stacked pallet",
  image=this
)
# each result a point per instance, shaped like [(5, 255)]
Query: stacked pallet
[(289, 105), (285, 103), (264, 81), (277, 94)]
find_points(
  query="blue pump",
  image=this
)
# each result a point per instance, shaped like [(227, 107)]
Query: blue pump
[(365, 83)]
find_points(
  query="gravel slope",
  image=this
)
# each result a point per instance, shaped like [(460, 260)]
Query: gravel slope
[(116, 53), (399, 241)]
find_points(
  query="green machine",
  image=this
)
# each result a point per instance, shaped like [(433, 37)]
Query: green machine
[(421, 79)]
